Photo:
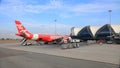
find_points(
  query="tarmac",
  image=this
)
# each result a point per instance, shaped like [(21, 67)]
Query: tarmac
[(11, 58), (106, 53)]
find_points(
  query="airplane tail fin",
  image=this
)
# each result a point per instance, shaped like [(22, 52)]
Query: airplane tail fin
[(21, 29), (19, 26)]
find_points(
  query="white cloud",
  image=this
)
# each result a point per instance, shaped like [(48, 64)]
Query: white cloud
[(12, 2), (48, 28), (107, 1), (94, 7), (65, 15), (56, 3), (21, 7)]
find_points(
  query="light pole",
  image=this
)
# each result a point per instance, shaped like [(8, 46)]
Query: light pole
[(55, 25), (110, 23), (110, 15)]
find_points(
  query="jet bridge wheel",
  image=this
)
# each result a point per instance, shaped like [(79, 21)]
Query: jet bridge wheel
[(70, 45)]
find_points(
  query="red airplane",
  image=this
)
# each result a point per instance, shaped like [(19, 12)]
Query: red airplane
[(46, 38)]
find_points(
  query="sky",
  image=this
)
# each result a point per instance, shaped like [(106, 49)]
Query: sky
[(41, 16)]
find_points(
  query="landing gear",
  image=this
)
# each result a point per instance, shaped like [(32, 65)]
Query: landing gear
[(39, 43)]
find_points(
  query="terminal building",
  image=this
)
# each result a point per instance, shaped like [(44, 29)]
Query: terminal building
[(106, 32)]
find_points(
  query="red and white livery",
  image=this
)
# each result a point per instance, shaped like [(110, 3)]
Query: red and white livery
[(23, 32)]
